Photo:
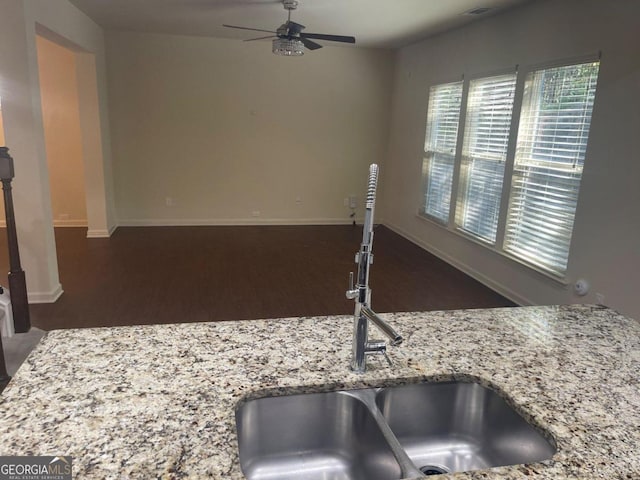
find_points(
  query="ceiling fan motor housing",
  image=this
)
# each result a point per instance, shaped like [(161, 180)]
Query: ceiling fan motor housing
[(289, 38)]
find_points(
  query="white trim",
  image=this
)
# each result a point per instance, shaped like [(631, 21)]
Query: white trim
[(176, 222), (7, 328), (101, 233), (45, 297), (57, 223), (98, 233), (561, 62), (69, 223), (492, 247), (475, 274)]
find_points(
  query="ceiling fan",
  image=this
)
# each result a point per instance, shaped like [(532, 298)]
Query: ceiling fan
[(289, 39)]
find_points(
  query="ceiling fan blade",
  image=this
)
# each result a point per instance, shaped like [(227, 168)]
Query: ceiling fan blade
[(311, 45), (247, 28), (260, 38), (333, 38), (208, 4)]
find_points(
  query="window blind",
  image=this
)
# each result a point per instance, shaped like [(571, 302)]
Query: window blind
[(550, 152), (484, 152), (440, 144)]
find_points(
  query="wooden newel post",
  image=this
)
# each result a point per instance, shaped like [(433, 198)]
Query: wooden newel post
[(17, 282)]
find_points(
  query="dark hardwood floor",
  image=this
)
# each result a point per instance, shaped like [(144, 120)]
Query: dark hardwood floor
[(144, 275)]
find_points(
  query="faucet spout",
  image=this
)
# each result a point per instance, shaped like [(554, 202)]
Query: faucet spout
[(394, 337)]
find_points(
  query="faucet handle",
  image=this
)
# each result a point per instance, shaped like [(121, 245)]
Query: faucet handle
[(378, 347), (386, 356), (351, 292)]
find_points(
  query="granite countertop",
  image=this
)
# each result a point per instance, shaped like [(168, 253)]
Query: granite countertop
[(158, 401)]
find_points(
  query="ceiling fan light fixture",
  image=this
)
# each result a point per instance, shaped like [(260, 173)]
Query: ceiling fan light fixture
[(288, 47)]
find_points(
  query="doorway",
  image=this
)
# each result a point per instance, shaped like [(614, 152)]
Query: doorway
[(60, 101)]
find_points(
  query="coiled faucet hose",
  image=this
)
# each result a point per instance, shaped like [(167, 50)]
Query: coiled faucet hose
[(373, 182)]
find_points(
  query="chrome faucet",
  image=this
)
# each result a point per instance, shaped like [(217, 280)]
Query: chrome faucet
[(361, 292)]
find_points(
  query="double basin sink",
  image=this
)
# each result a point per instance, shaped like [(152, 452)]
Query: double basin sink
[(408, 431)]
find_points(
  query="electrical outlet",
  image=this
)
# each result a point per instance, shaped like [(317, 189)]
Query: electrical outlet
[(581, 287), (353, 201), (169, 201), (600, 298), (346, 201), (255, 213)]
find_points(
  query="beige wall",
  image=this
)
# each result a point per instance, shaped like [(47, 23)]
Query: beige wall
[(2, 144), (607, 228), (1, 130), (63, 139), (24, 132), (24, 136), (60, 21), (226, 129)]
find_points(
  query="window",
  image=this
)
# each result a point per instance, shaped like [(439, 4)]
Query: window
[(440, 148), (484, 153), (552, 141), (535, 223)]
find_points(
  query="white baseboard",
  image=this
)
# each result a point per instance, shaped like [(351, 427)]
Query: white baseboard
[(57, 223), (69, 223), (98, 233), (178, 222), (45, 297), (101, 233), (473, 273)]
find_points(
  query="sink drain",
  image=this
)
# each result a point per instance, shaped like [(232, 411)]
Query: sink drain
[(433, 470)]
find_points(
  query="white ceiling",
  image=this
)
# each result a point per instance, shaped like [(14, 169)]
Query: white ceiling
[(374, 23)]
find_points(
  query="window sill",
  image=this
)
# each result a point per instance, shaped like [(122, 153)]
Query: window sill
[(547, 275)]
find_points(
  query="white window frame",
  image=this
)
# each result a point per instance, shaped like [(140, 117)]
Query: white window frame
[(458, 178), (498, 247), (425, 164)]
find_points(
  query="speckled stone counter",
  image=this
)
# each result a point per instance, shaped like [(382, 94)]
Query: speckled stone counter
[(158, 401)]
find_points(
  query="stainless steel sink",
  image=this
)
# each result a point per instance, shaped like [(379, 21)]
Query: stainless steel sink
[(459, 427), (319, 436), (384, 434)]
